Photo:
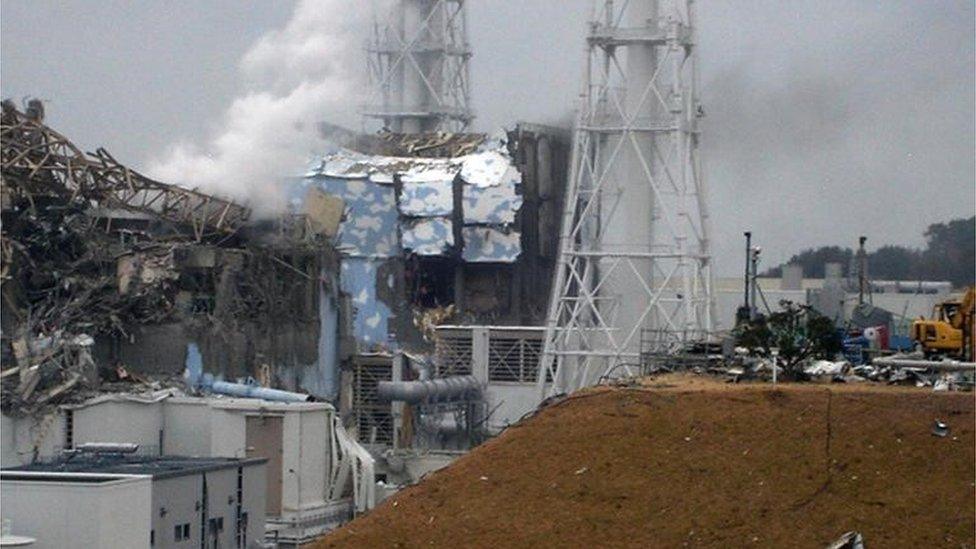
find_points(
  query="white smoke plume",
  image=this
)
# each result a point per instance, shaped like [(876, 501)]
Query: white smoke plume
[(309, 71)]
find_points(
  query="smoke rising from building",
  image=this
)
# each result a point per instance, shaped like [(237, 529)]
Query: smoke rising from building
[(306, 71)]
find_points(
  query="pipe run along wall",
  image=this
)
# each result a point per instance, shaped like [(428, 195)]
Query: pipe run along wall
[(441, 389)]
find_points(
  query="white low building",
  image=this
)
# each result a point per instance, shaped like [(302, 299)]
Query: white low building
[(316, 479), (123, 501)]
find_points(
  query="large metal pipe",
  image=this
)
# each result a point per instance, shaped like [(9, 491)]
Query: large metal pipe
[(935, 366), (440, 389), (245, 390)]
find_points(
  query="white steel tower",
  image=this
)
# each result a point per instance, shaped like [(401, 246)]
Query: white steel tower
[(634, 265), (418, 67)]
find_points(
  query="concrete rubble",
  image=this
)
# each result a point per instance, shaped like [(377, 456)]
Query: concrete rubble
[(103, 267)]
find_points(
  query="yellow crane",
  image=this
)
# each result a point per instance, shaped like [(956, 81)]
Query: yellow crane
[(950, 331)]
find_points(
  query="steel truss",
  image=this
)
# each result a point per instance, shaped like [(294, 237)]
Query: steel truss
[(418, 68), (634, 248), (47, 162)]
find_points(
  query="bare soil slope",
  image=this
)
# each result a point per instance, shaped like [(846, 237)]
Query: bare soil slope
[(691, 462)]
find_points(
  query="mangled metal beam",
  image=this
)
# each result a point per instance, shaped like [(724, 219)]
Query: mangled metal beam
[(47, 162)]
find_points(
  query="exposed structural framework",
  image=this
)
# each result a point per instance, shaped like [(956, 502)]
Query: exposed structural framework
[(418, 68), (634, 274), (49, 162)]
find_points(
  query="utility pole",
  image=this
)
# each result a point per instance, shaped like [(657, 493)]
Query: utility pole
[(862, 268), (748, 306), (754, 287), (417, 62), (634, 247)]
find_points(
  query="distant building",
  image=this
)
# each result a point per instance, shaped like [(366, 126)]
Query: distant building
[(124, 501), (835, 296)]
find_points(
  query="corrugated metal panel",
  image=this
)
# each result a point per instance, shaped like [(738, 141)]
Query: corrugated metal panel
[(428, 235), (370, 227), (371, 316), (491, 205), (353, 165), (427, 199), (488, 169), (490, 245), (375, 229)]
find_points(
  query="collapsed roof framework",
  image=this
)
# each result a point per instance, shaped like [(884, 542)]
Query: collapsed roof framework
[(94, 249), (44, 161)]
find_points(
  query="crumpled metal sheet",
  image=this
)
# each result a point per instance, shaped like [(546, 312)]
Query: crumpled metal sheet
[(489, 168), (490, 245), (491, 205), (427, 198), (428, 235), (370, 315), (370, 226), (347, 164)]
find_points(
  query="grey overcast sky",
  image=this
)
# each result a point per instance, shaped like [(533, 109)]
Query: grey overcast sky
[(825, 119)]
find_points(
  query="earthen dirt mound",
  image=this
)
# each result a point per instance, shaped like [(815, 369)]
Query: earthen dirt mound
[(690, 463)]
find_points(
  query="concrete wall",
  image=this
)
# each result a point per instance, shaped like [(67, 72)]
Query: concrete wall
[(155, 350), (24, 438), (187, 428), (509, 402), (222, 504), (253, 502), (306, 448), (228, 431), (311, 456), (174, 503), (111, 421), (116, 513), (217, 428)]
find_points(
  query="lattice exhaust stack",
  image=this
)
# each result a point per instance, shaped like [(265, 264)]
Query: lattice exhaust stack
[(418, 68), (634, 252)]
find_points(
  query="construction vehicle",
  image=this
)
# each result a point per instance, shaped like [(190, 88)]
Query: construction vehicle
[(950, 332)]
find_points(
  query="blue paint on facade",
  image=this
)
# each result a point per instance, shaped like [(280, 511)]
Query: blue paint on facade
[(358, 278), (370, 226), (322, 378), (193, 365), (375, 229), (484, 244), (428, 235), (490, 205), (427, 198)]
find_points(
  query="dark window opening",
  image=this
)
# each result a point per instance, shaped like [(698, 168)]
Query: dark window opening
[(430, 281), (216, 524), (181, 532)]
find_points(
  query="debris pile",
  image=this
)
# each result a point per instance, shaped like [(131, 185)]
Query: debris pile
[(689, 461), (898, 369), (92, 250)]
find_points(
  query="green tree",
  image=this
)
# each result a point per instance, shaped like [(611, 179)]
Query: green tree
[(949, 254), (796, 333), (951, 251), (894, 263)]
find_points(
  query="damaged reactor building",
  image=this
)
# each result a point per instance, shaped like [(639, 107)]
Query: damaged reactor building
[(407, 286), (389, 320), (447, 251)]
